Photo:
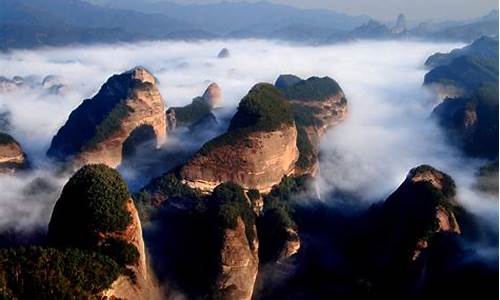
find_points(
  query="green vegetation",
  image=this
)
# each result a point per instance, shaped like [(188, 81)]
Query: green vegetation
[(264, 108), (307, 154), (110, 124), (191, 113), (120, 250), (48, 273), (228, 202), (314, 88), (92, 202), (253, 194), (170, 186), (306, 115), (6, 139)]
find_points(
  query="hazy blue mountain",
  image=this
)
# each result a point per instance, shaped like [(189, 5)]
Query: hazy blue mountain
[(229, 18), (483, 48), (29, 23), (471, 120), (466, 31)]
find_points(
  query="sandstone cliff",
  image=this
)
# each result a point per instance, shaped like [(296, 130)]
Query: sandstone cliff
[(318, 104), (12, 157), (97, 129), (256, 152), (201, 107), (239, 264), (95, 213), (145, 286)]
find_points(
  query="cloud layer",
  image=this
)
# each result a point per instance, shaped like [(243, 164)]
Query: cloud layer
[(387, 132)]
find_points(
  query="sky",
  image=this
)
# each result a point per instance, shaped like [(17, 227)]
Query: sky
[(388, 9)]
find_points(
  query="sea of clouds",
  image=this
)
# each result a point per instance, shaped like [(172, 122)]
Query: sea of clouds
[(388, 130)]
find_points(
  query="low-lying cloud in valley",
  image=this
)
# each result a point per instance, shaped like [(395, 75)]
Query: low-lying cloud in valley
[(388, 130)]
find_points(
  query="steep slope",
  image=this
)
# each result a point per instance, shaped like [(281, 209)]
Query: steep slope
[(12, 156), (318, 104), (483, 48), (468, 80), (256, 151), (97, 129), (201, 107), (95, 212), (471, 123), (238, 253), (423, 206)]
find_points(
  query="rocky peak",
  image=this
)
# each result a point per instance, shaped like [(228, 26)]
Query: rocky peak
[(141, 74), (224, 53), (256, 151), (318, 104), (12, 156), (97, 129), (423, 206), (213, 95), (400, 24), (95, 212)]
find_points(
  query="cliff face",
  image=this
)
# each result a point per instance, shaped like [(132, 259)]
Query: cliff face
[(12, 157), (471, 123), (256, 152), (200, 108), (239, 264), (259, 161), (95, 213), (145, 286), (96, 130), (318, 104)]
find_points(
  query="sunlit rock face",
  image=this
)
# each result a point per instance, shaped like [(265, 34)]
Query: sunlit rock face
[(318, 104), (256, 152), (200, 108), (239, 264), (96, 130), (96, 213), (12, 156)]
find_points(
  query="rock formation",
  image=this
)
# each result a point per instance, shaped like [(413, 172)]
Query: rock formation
[(198, 109), (12, 156), (239, 246), (318, 104), (424, 205), (400, 26), (256, 152), (239, 264), (96, 130), (224, 53), (467, 78), (95, 212), (213, 95)]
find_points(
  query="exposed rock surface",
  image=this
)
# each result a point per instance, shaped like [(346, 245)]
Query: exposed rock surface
[(422, 206), (213, 95), (96, 130), (318, 104), (12, 156), (146, 287), (239, 264), (95, 212), (256, 152), (198, 109)]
